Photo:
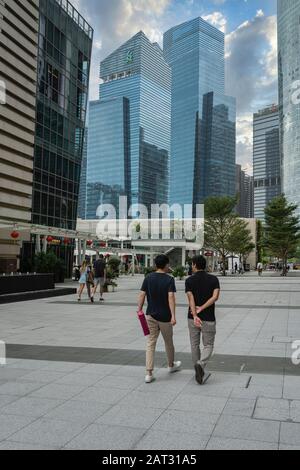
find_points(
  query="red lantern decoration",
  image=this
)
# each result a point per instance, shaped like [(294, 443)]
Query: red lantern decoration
[(89, 242), (15, 235), (66, 241), (49, 239), (102, 244)]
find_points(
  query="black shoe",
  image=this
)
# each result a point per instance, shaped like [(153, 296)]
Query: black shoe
[(92, 300), (199, 374), (101, 300)]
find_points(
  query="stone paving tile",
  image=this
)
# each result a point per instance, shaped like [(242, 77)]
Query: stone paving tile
[(193, 421), (78, 378), (12, 374), (295, 411), (100, 437), (6, 400), (78, 411), (42, 376), (123, 383), (148, 399), (239, 407), (58, 391), (205, 404), (161, 440), (239, 444), (49, 432), (287, 447), (272, 409), (131, 416), (290, 434), (11, 424), (102, 395), (31, 406), (19, 388), (255, 392), (237, 427), (10, 445)]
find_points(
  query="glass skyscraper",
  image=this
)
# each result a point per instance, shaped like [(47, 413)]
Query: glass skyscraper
[(266, 159), (65, 43), (129, 128), (289, 103), (203, 118)]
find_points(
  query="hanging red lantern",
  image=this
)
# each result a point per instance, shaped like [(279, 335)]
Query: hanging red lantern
[(66, 241), (14, 235), (49, 239), (89, 242), (102, 244)]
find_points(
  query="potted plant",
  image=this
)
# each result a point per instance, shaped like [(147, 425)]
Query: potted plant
[(110, 285), (179, 272)]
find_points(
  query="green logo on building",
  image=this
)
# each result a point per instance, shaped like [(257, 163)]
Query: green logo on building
[(129, 57)]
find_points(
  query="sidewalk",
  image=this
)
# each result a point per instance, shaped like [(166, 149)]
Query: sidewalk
[(75, 374)]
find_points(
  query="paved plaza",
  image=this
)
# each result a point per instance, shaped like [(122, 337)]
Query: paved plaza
[(74, 377)]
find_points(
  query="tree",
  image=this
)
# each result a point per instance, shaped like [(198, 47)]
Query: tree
[(240, 240), (220, 220), (282, 229)]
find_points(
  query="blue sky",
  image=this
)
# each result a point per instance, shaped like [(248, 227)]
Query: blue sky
[(251, 45)]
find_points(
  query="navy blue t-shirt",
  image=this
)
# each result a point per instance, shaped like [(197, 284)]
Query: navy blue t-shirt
[(157, 287)]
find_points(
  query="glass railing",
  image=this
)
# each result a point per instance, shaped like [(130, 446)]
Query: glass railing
[(75, 15)]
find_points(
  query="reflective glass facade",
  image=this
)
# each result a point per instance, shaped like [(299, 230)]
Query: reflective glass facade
[(108, 168), (266, 159), (129, 128), (65, 42), (203, 118), (289, 103), (82, 188)]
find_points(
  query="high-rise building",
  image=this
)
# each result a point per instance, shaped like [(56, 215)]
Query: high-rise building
[(65, 44), (245, 192), (289, 103), (266, 159), (19, 23), (203, 118), (129, 128), (82, 188)]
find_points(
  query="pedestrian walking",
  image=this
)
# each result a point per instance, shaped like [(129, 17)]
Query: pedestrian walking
[(100, 273), (259, 268), (83, 279), (159, 289), (203, 291)]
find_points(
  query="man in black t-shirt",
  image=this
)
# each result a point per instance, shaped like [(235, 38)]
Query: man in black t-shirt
[(159, 289), (99, 277), (203, 291)]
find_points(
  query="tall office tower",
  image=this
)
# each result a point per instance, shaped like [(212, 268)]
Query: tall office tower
[(266, 159), (18, 64), (289, 103), (65, 44), (129, 128), (82, 187), (245, 191), (203, 118)]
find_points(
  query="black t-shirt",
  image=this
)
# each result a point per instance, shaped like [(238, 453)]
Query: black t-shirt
[(157, 287), (202, 285), (99, 268)]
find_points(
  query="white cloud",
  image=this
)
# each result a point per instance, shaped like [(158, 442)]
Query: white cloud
[(217, 19)]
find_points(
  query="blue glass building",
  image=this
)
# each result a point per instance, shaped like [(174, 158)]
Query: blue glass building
[(266, 159), (203, 118), (289, 103), (130, 128)]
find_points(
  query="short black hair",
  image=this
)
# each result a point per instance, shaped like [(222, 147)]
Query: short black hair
[(199, 262), (161, 261), (101, 256)]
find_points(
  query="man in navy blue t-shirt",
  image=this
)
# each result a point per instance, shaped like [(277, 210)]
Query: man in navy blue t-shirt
[(159, 289)]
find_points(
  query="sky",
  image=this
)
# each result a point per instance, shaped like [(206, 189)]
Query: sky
[(251, 45)]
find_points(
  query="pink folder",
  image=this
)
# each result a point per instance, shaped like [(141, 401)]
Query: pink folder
[(144, 323)]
